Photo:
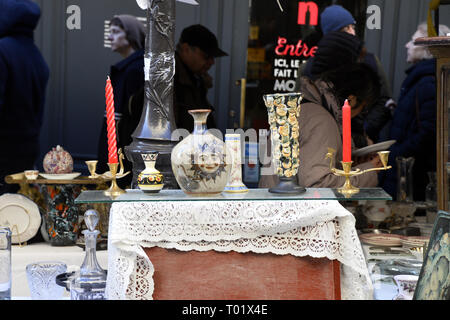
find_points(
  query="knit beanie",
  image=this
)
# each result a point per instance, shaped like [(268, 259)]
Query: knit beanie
[(334, 18), (134, 29), (335, 49)]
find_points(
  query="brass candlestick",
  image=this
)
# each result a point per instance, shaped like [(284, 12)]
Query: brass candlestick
[(92, 166), (114, 190), (348, 189)]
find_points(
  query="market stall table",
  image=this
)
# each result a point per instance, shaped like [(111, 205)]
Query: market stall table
[(222, 247)]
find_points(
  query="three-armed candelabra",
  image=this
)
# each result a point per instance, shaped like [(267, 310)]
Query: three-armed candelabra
[(348, 189)]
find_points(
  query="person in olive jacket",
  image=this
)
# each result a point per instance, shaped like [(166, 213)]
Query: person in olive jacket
[(24, 76), (414, 121)]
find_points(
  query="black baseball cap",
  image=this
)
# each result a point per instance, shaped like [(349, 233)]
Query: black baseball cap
[(199, 36)]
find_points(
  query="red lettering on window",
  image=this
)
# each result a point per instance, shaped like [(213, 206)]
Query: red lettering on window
[(303, 9), (301, 49)]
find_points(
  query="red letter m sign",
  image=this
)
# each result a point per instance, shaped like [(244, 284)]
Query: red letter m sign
[(311, 8)]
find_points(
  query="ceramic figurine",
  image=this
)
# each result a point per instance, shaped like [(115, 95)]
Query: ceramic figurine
[(235, 184), (150, 180), (200, 162), (283, 111)]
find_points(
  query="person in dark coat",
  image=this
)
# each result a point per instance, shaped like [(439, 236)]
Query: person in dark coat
[(24, 76), (195, 54), (414, 122), (127, 36)]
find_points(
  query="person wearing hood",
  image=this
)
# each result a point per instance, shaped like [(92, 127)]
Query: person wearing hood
[(24, 76), (320, 123), (127, 36), (414, 121)]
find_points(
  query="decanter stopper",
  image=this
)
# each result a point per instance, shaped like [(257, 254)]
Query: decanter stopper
[(91, 219)]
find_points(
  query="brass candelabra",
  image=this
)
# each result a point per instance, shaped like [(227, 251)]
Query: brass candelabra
[(348, 189), (116, 171)]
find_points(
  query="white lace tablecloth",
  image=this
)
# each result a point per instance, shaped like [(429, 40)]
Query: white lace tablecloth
[(316, 228)]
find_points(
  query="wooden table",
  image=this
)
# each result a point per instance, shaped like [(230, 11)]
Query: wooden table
[(222, 259)]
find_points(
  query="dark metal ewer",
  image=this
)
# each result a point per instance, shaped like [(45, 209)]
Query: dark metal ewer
[(153, 134)]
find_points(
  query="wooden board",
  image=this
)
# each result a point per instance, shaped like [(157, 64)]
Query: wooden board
[(213, 275)]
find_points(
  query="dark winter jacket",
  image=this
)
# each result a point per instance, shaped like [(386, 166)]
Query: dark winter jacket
[(23, 79), (378, 115), (190, 92), (414, 128), (127, 80)]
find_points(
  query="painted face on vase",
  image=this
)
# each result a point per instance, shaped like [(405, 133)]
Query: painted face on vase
[(209, 162)]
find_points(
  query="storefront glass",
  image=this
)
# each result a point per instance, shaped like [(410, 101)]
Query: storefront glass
[(280, 39)]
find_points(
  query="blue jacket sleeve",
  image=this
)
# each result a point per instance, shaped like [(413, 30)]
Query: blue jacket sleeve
[(426, 133)]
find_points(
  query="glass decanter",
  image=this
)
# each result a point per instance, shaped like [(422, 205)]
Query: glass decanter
[(90, 282)]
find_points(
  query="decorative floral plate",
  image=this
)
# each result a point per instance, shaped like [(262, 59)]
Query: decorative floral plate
[(385, 240), (382, 146), (21, 215)]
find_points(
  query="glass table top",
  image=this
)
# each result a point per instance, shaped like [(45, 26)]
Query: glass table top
[(132, 195)]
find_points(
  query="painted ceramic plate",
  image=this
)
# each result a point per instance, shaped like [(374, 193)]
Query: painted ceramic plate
[(415, 241), (60, 176), (382, 146), (21, 215), (385, 240)]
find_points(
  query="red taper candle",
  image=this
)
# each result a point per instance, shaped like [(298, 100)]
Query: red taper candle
[(111, 123), (346, 132)]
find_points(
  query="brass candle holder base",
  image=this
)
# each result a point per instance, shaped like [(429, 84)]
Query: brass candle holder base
[(114, 190), (112, 175), (348, 189), (92, 166)]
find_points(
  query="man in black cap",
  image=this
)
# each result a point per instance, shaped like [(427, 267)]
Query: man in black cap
[(195, 54)]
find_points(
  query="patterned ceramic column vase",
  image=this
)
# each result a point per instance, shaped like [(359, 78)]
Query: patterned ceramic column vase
[(150, 180), (200, 162), (283, 111), (235, 184)]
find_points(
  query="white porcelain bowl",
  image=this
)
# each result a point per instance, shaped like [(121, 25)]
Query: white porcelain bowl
[(31, 174)]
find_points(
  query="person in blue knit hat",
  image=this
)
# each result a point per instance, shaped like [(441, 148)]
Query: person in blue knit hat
[(370, 127), (336, 18)]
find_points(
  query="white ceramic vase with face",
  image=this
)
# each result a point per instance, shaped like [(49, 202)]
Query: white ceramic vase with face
[(201, 162), (235, 184)]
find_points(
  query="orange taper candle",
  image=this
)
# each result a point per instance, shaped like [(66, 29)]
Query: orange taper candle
[(111, 123), (346, 132)]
